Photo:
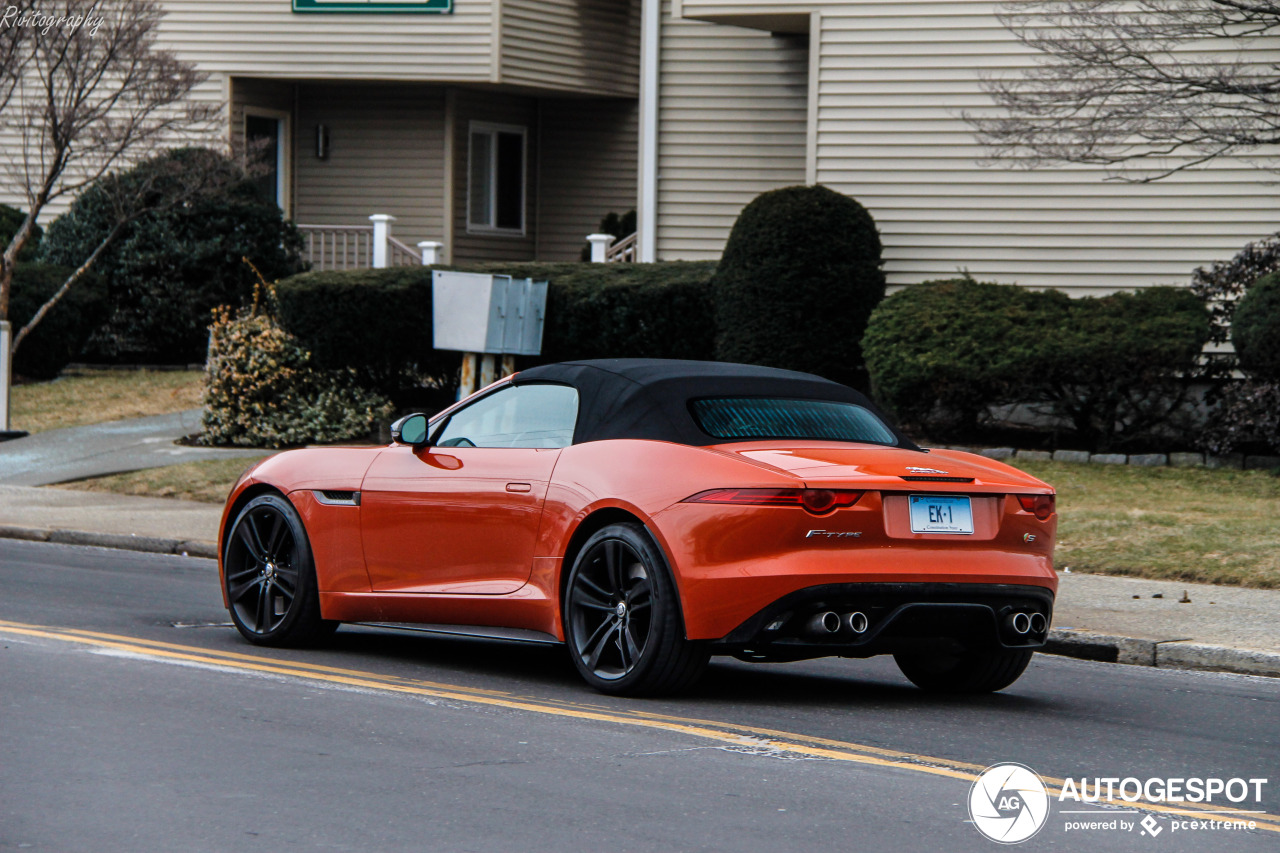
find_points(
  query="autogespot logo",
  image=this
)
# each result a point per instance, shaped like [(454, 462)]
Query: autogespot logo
[(1008, 803)]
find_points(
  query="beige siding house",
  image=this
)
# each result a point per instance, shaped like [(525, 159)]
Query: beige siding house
[(867, 98), (503, 129), (506, 129)]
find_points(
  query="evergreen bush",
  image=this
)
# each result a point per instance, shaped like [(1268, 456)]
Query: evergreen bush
[(263, 388), (1255, 329), (59, 337), (11, 220), (169, 268), (798, 280), (1113, 370)]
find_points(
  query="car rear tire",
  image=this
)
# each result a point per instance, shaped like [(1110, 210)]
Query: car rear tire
[(622, 617), (976, 671), (269, 576)]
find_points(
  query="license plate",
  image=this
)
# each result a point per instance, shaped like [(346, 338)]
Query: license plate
[(941, 514)]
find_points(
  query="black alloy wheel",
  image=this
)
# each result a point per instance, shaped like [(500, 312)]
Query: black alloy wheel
[(269, 576), (622, 617)]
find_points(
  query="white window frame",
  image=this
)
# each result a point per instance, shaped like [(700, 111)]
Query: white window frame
[(492, 129), (284, 143)]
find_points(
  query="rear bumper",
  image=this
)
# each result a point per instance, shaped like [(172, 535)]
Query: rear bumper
[(900, 617)]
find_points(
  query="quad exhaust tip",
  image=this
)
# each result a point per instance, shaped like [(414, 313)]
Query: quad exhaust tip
[(1026, 623), (823, 624), (856, 622)]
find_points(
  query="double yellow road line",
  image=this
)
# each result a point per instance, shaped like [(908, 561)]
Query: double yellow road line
[(730, 734)]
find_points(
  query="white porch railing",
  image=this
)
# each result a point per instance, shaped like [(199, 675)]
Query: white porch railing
[(604, 250), (346, 247)]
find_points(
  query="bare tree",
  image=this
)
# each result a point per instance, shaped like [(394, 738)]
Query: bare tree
[(84, 91), (1147, 87)]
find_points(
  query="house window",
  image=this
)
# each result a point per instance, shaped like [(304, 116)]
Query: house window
[(496, 178), (266, 135)]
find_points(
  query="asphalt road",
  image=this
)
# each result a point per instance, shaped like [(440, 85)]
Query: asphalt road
[(133, 718)]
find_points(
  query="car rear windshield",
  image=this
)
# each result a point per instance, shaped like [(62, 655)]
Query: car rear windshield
[(772, 417)]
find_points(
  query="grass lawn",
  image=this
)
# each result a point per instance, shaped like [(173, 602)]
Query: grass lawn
[(93, 396), (1188, 524), (209, 481)]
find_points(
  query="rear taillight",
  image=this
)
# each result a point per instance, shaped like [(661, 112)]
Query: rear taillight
[(1041, 505), (815, 501)]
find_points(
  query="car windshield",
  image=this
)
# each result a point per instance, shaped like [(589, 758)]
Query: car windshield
[(773, 417)]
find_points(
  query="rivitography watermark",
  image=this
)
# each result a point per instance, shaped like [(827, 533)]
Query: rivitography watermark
[(35, 19)]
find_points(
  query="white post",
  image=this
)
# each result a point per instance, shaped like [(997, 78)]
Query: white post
[(600, 244), (6, 375), (431, 252), (487, 370), (381, 231), (647, 202)]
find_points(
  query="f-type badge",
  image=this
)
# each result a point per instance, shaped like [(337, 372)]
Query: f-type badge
[(832, 534)]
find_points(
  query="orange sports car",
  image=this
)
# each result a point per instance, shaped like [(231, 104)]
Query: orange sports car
[(649, 514)]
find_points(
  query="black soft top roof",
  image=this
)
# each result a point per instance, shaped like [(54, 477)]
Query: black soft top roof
[(649, 397)]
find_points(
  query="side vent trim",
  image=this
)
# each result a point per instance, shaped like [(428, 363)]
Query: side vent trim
[(335, 497)]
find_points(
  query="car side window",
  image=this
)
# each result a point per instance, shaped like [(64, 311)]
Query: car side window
[(516, 416)]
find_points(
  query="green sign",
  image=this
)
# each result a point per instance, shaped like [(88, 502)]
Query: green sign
[(381, 6)]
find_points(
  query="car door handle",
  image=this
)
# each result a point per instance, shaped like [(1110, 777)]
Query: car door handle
[(519, 487)]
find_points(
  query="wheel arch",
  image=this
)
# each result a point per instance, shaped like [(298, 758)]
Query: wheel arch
[(595, 522), (242, 500)]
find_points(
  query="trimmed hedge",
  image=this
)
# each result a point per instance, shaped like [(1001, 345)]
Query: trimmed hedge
[(593, 311), (943, 352), (1255, 329), (1113, 369), (797, 283), (59, 337)]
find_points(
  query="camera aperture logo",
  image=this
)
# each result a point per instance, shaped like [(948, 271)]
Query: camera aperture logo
[(1008, 803)]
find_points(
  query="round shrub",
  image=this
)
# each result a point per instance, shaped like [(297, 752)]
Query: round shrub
[(1255, 329), (59, 337), (797, 282), (262, 389), (169, 267), (11, 220)]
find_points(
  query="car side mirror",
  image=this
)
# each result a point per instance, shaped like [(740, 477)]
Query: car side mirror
[(411, 430)]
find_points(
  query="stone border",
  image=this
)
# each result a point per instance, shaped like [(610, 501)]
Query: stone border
[(1142, 460), (121, 541), (1165, 654)]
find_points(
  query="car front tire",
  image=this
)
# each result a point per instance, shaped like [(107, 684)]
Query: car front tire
[(622, 617), (269, 576), (975, 671)]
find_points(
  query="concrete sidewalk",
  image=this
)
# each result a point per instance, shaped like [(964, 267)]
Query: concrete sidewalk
[(59, 455), (1124, 620)]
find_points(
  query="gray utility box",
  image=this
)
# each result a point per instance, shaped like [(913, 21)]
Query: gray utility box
[(476, 312)]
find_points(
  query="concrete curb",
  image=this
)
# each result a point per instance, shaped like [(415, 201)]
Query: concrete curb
[(1166, 654), (122, 541), (1068, 642)]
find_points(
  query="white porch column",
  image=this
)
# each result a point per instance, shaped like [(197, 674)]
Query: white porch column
[(6, 374), (647, 204), (600, 244), (381, 231), (431, 252)]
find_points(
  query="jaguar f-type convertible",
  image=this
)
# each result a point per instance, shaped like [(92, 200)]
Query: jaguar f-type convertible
[(649, 514)]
